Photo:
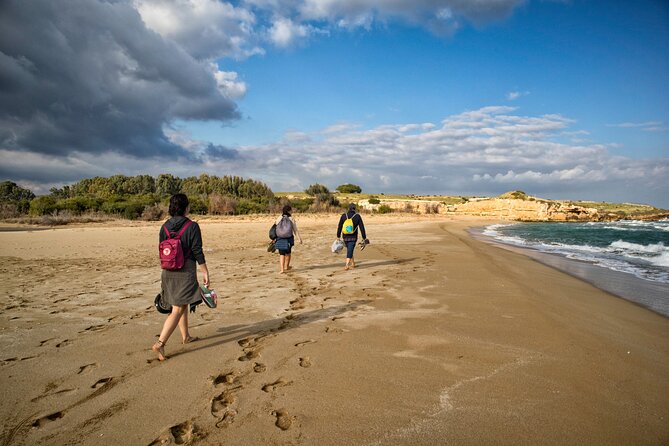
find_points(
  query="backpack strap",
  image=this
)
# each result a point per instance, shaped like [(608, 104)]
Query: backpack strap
[(185, 226), (188, 223)]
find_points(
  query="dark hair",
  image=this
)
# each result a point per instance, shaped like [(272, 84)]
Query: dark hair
[(178, 205), (351, 207), (286, 210)]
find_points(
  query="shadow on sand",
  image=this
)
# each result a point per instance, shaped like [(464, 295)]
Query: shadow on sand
[(237, 332), (363, 264)]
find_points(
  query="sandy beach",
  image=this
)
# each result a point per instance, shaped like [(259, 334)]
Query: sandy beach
[(435, 338)]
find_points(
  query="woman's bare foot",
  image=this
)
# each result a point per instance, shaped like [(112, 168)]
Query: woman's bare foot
[(190, 339), (159, 349)]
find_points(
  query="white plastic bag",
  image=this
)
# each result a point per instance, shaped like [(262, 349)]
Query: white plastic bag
[(337, 246)]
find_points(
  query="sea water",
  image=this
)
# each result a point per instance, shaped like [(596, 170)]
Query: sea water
[(636, 250)]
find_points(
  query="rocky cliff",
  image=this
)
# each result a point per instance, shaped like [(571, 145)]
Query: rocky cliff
[(504, 208)]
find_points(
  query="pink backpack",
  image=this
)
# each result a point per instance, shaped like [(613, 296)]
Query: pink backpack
[(170, 251)]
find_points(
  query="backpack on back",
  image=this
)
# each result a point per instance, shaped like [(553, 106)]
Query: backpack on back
[(284, 229), (170, 251), (348, 227)]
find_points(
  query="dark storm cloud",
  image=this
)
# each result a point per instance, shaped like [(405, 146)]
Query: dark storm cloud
[(88, 76), (218, 152)]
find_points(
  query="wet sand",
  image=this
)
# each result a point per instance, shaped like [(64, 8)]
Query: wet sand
[(648, 294), (435, 338)]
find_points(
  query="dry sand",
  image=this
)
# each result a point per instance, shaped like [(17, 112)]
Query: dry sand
[(435, 338)]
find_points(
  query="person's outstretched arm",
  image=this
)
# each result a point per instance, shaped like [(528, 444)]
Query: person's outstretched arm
[(342, 219), (295, 230), (362, 229)]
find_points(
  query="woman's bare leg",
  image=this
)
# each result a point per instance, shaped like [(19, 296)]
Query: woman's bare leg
[(281, 262), (168, 328), (183, 327)]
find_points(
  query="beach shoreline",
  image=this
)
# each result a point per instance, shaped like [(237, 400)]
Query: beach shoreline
[(435, 338), (648, 294)]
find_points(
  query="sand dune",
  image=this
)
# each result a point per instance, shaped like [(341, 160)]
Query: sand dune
[(435, 338)]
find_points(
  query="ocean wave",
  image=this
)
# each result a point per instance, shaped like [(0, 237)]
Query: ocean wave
[(649, 262), (619, 228), (646, 272), (655, 248), (492, 231), (661, 260)]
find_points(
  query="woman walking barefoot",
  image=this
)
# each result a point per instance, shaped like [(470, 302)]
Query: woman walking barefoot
[(350, 234), (180, 287), (286, 230)]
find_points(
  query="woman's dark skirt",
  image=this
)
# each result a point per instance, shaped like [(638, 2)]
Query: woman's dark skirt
[(180, 287)]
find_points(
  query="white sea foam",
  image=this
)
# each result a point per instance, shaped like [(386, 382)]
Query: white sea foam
[(661, 260), (492, 231), (656, 248), (648, 262)]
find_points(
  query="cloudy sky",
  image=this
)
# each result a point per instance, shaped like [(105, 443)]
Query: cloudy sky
[(562, 99)]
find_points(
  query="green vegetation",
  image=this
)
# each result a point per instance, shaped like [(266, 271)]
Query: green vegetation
[(349, 189), (323, 198), (515, 195), (145, 197), (141, 196), (621, 210), (14, 200)]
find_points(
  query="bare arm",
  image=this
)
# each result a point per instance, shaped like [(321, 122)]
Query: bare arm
[(295, 230), (205, 274)]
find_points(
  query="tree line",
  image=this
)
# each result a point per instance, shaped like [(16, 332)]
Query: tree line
[(146, 197)]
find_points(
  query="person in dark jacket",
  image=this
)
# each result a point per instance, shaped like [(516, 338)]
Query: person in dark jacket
[(180, 288), (350, 239)]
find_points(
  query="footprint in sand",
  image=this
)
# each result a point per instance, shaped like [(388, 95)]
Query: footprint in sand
[(297, 304), (283, 419), (86, 368), (184, 433), (63, 343), (259, 368), (309, 341), (221, 402), (305, 362), (48, 418), (276, 384), (250, 354), (225, 378), (102, 382), (227, 419), (45, 341), (93, 328), (246, 342)]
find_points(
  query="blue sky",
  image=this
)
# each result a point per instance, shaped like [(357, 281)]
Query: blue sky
[(597, 65), (562, 99)]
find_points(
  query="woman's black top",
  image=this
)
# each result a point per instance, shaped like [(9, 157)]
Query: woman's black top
[(191, 239), (357, 223)]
